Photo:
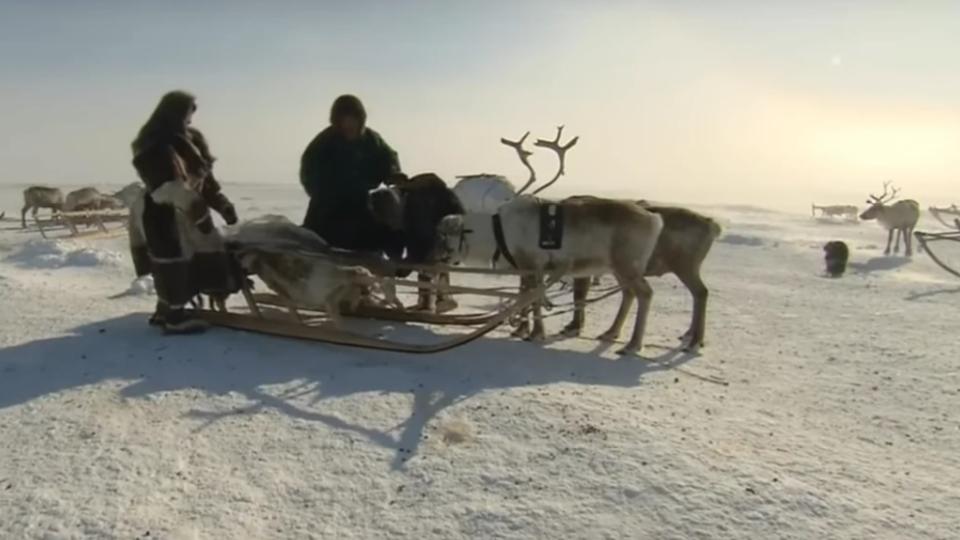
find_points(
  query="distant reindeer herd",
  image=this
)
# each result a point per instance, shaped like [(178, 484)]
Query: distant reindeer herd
[(88, 199)]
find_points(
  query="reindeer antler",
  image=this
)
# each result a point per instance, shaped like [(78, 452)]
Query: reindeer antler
[(887, 195), (524, 154), (561, 150)]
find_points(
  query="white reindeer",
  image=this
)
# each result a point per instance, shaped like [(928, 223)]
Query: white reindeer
[(484, 193), (600, 236), (900, 217)]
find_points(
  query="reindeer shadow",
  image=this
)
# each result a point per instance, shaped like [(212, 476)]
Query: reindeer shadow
[(223, 361), (879, 264)]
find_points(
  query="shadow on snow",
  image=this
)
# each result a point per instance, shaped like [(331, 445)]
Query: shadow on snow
[(126, 350)]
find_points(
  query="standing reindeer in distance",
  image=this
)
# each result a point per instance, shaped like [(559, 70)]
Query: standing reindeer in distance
[(900, 217)]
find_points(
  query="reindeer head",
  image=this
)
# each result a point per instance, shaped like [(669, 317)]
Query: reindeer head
[(453, 242), (386, 205), (560, 149), (878, 203)]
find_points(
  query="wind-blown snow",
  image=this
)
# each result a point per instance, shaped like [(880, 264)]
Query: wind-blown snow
[(820, 408), (59, 253)]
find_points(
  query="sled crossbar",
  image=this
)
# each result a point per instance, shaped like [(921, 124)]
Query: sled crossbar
[(388, 314)]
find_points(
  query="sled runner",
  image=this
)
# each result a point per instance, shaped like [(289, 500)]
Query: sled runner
[(272, 314)]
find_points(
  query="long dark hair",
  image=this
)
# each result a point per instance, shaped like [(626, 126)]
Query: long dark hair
[(169, 118)]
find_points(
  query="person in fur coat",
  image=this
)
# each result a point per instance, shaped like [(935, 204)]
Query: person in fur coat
[(172, 235)]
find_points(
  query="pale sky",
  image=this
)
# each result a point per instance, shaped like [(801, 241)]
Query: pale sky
[(726, 102)]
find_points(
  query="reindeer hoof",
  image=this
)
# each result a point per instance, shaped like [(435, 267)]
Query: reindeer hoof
[(608, 336), (570, 331), (445, 305), (522, 332), (536, 337), (629, 350)]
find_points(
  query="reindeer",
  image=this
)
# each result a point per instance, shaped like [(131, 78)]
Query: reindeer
[(835, 210), (89, 198), (601, 236), (900, 217), (37, 197), (484, 193), (683, 245), (130, 194)]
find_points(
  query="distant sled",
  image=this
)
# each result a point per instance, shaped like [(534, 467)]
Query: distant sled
[(947, 215), (927, 238), (846, 211)]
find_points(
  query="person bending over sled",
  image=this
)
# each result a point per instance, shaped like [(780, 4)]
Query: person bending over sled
[(172, 234), (338, 168)]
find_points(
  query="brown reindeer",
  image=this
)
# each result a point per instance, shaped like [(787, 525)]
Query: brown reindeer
[(683, 245), (37, 197)]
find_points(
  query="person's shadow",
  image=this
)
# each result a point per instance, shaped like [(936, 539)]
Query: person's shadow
[(224, 361)]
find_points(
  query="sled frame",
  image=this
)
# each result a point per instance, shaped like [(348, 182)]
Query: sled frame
[(297, 326), (925, 239)]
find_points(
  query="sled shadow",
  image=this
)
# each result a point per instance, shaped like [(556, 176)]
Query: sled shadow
[(223, 361), (879, 264), (934, 292)]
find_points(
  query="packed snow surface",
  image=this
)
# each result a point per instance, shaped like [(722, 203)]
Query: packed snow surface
[(820, 408)]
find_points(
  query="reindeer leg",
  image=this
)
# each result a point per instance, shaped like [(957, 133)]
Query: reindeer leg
[(889, 241), (644, 293), (626, 302), (581, 287), (523, 328), (538, 333), (424, 294), (908, 241), (693, 338), (896, 247), (445, 301), (23, 216)]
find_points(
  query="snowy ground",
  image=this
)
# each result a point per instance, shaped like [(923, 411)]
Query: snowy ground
[(820, 409)]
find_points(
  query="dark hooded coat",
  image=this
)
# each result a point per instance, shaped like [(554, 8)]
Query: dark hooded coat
[(178, 245), (337, 174)]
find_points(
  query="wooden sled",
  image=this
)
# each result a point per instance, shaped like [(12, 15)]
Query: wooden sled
[(947, 213), (294, 321), (73, 221), (926, 239)]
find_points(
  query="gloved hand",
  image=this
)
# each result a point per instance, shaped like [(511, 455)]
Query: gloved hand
[(205, 224), (229, 214)]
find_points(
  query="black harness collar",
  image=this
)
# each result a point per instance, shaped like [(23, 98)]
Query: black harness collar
[(501, 243)]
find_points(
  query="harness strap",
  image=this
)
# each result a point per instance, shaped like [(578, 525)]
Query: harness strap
[(501, 243)]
